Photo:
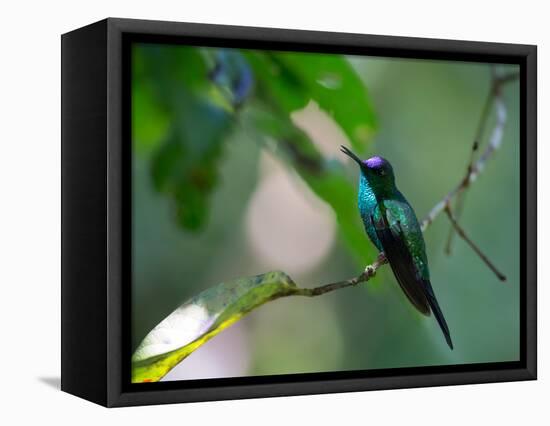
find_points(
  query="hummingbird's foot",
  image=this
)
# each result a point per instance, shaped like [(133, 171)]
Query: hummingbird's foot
[(369, 272)]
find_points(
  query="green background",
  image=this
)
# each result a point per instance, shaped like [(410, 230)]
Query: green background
[(207, 158)]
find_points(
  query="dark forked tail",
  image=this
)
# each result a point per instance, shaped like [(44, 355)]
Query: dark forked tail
[(437, 312), (418, 290)]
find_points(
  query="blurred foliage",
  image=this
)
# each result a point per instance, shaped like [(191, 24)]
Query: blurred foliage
[(290, 80), (201, 318), (186, 101), (185, 163)]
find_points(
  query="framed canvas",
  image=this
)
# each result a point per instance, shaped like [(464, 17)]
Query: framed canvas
[(254, 212)]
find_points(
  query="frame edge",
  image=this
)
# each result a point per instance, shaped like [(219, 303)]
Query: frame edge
[(117, 397), (83, 214)]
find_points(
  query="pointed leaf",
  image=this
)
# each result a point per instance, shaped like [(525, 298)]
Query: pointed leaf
[(201, 318), (335, 86), (289, 80)]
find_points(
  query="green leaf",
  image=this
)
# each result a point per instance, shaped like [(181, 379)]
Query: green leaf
[(156, 71), (276, 84), (201, 318), (289, 80), (150, 121), (336, 87)]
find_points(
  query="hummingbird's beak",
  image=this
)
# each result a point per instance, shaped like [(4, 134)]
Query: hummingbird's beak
[(350, 154)]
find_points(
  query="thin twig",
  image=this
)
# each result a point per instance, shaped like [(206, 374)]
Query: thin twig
[(459, 207), (495, 140), (370, 271), (493, 96), (472, 245)]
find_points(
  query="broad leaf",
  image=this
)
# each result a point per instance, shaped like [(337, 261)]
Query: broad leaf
[(336, 87), (276, 84), (201, 318), (289, 80)]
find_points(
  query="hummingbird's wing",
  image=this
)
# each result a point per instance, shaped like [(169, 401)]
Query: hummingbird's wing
[(418, 289), (401, 263)]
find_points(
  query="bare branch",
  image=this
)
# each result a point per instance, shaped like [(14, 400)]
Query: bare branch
[(475, 147), (495, 140), (370, 271), (473, 246), (459, 208), (493, 96)]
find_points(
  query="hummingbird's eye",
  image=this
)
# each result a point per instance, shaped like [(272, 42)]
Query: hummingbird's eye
[(381, 172)]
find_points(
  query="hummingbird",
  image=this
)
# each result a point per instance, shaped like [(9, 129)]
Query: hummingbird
[(392, 226)]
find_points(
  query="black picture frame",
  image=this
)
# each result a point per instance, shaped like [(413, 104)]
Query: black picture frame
[(96, 212)]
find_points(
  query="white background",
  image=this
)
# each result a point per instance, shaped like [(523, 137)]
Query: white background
[(30, 211)]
